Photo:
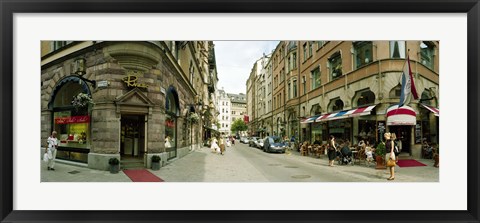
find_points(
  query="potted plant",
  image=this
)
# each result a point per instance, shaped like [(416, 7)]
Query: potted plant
[(156, 162), (379, 154), (114, 165)]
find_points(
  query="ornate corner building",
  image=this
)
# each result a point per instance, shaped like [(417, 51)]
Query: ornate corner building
[(136, 99)]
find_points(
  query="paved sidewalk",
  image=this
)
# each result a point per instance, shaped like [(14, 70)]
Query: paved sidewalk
[(202, 165)]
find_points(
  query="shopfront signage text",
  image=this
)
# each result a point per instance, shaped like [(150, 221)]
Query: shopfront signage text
[(131, 81), (72, 119)]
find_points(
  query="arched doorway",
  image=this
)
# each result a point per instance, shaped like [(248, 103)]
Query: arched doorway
[(70, 102), (172, 112)]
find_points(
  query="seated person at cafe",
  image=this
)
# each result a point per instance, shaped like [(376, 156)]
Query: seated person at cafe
[(317, 142)]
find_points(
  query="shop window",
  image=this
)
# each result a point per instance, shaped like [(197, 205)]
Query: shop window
[(427, 51), (72, 124), (366, 131), (341, 129), (363, 53), (397, 49), (170, 133), (335, 64), (172, 112)]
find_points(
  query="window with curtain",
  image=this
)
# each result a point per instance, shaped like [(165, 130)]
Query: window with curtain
[(397, 49)]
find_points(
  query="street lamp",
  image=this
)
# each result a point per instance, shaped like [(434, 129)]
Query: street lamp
[(79, 68)]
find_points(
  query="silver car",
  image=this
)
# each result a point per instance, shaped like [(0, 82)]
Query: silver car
[(259, 143)]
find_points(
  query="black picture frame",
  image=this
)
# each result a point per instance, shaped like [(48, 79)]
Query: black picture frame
[(9, 8)]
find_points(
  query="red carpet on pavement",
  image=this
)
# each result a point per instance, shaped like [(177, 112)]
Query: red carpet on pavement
[(142, 176), (409, 163)]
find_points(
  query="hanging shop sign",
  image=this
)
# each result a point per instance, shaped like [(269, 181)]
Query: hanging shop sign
[(72, 119), (131, 81)]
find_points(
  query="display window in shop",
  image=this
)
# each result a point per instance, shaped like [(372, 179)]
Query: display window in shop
[(172, 112), (317, 130), (366, 131), (71, 123), (341, 129)]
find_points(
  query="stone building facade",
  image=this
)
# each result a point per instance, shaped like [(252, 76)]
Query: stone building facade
[(145, 95)]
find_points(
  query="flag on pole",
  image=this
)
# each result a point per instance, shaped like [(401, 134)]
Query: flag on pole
[(408, 85)]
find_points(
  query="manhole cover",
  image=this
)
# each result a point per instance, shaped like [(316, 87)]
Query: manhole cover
[(301, 176), (291, 166), (274, 164), (74, 172)]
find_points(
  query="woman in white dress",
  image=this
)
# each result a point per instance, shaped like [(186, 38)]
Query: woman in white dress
[(214, 146)]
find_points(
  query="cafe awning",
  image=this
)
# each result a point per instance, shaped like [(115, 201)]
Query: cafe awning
[(310, 119), (404, 115), (434, 110), (346, 114)]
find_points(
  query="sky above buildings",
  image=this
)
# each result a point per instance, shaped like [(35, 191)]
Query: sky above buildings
[(235, 60)]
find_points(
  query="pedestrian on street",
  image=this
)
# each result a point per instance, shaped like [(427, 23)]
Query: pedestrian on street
[(51, 150), (222, 145), (233, 141), (214, 145), (396, 148), (389, 146), (332, 149)]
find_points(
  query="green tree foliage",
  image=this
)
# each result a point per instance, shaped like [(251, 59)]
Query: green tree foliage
[(238, 126)]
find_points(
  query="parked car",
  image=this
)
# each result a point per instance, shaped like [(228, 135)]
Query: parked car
[(252, 141), (274, 144), (259, 143), (244, 140)]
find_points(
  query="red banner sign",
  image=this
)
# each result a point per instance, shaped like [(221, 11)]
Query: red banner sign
[(72, 119)]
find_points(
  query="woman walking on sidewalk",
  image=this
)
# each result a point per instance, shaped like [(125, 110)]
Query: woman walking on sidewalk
[(51, 150), (222, 145), (332, 149), (389, 148)]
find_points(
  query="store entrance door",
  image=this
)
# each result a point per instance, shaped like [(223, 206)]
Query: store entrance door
[(403, 133), (132, 144)]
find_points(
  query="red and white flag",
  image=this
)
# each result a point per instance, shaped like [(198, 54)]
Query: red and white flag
[(408, 85)]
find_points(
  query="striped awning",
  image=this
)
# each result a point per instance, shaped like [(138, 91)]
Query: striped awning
[(404, 115), (346, 114), (435, 111), (309, 119)]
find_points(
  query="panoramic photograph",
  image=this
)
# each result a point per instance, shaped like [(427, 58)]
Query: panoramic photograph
[(240, 111)]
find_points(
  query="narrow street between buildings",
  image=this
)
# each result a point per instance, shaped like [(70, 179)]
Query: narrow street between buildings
[(241, 163)]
